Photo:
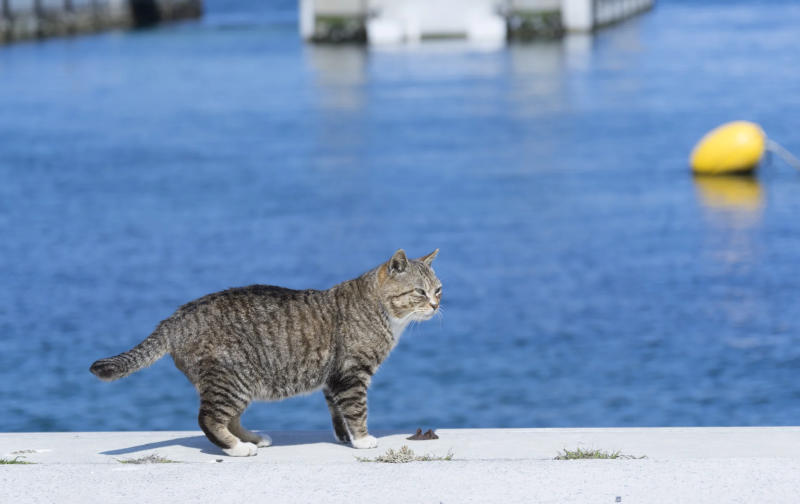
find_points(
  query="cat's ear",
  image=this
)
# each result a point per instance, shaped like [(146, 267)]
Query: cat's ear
[(398, 263), (428, 259)]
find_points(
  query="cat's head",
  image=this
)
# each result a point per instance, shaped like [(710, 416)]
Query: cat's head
[(409, 287)]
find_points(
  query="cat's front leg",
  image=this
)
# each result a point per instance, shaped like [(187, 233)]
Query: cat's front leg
[(339, 427), (349, 397)]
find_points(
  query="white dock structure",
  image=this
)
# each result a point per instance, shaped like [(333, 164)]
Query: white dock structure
[(586, 15), (414, 20), (411, 21)]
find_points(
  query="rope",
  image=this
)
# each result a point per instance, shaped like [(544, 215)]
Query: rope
[(784, 154)]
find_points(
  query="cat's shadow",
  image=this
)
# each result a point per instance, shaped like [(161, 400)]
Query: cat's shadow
[(205, 446), (200, 442)]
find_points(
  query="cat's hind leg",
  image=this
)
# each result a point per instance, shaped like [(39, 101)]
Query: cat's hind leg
[(214, 418), (237, 430)]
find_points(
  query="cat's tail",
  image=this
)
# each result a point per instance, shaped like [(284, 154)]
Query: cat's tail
[(138, 357)]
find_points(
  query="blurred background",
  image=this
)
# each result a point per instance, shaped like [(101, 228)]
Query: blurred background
[(589, 279)]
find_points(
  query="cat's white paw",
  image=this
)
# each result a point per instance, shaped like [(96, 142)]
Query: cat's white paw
[(265, 441), (365, 442), (241, 449)]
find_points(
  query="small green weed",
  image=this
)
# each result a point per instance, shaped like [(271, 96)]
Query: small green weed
[(405, 455), (15, 460), (581, 454), (149, 459)]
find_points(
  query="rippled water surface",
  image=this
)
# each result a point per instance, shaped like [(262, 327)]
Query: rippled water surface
[(589, 280)]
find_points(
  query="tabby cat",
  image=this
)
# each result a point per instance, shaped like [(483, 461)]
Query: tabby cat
[(266, 343)]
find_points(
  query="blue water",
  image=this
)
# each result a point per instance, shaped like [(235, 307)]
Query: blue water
[(588, 279)]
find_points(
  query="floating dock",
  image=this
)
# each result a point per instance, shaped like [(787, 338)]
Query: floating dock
[(494, 21)]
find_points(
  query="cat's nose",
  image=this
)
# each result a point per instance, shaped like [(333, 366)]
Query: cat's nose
[(434, 304)]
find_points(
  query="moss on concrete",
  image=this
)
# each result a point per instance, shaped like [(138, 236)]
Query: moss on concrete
[(528, 25), (340, 29)]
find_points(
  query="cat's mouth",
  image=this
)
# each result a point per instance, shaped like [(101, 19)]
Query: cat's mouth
[(425, 315)]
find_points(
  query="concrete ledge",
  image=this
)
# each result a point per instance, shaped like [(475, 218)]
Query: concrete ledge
[(490, 465)]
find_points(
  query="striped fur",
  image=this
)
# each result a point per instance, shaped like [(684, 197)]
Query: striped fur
[(267, 343)]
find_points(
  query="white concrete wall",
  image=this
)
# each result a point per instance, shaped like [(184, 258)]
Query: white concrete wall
[(306, 18), (399, 21), (534, 5), (577, 15), (585, 15), (341, 7), (752, 465)]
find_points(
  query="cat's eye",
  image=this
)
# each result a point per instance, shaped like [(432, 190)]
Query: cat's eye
[(438, 290), (421, 292)]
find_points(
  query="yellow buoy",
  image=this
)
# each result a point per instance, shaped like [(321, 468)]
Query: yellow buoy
[(734, 147)]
